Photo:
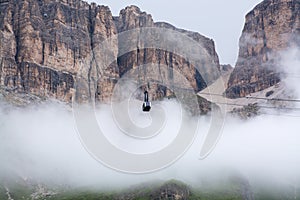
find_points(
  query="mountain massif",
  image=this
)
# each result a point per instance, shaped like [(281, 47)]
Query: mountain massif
[(47, 44)]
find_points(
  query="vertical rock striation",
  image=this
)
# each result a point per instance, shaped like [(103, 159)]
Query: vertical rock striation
[(45, 45), (130, 18), (271, 27)]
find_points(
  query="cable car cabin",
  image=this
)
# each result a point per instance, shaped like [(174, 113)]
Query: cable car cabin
[(146, 105)]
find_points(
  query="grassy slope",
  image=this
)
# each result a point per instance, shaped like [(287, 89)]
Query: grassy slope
[(226, 191)]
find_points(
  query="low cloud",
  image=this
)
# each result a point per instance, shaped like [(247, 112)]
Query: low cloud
[(42, 145)]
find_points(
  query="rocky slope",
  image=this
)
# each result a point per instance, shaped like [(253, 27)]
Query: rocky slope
[(46, 45), (270, 28)]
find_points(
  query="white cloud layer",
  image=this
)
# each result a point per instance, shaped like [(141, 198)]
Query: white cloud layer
[(42, 144)]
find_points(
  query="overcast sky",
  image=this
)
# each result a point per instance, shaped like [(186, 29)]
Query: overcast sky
[(221, 20)]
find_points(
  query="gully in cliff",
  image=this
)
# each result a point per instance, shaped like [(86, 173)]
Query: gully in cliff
[(146, 105)]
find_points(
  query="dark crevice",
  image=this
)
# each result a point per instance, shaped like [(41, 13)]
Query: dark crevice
[(171, 66), (16, 28), (199, 81), (137, 55), (17, 32), (91, 28), (145, 62), (265, 48), (159, 62), (43, 53), (1, 66), (145, 56), (74, 57)]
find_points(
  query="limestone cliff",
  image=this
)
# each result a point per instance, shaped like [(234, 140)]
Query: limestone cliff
[(46, 44), (271, 27), (132, 17)]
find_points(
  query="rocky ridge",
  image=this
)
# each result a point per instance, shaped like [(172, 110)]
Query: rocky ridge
[(270, 28), (46, 45)]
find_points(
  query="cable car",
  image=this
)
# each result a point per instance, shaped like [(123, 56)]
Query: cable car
[(146, 105)]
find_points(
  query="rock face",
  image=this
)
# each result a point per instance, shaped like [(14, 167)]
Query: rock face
[(271, 27), (130, 18), (169, 190), (45, 45)]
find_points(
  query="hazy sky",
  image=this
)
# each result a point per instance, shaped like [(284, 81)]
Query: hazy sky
[(221, 20)]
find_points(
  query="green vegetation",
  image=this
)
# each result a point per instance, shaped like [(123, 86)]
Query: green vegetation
[(230, 190), (81, 195), (16, 191)]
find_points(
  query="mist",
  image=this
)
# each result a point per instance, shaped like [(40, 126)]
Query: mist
[(41, 144), (290, 65)]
